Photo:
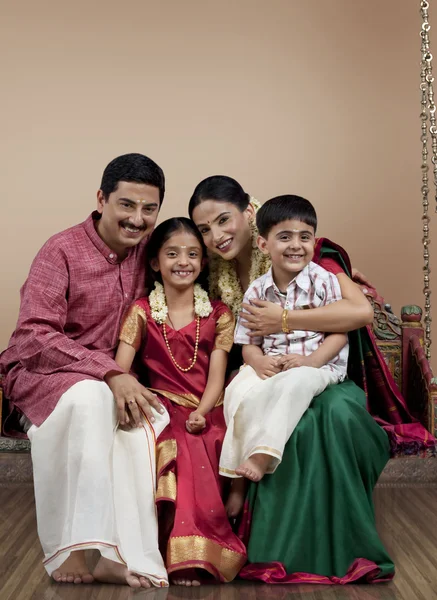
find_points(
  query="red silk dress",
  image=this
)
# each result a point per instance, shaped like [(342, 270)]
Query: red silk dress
[(194, 529)]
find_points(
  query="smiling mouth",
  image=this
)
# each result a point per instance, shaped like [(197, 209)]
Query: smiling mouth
[(225, 244), (131, 228), (182, 273)]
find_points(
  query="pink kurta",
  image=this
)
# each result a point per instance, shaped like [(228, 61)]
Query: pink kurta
[(72, 304)]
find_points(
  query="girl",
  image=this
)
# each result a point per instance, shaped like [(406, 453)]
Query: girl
[(313, 519), (182, 341)]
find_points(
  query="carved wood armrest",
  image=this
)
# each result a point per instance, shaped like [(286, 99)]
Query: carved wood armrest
[(421, 385)]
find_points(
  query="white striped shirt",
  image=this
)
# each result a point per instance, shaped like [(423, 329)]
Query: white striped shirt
[(311, 288)]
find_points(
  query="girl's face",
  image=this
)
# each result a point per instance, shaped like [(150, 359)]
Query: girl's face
[(179, 260), (225, 229)]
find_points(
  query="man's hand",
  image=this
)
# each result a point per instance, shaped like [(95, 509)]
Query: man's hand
[(196, 422), (267, 366), (264, 317), (130, 394), (290, 361)]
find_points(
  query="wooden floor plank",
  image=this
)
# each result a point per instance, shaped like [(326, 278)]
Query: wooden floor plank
[(406, 517)]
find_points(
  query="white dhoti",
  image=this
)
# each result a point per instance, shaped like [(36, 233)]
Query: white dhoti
[(95, 484), (262, 414)]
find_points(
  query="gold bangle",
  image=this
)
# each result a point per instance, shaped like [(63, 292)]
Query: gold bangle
[(285, 327)]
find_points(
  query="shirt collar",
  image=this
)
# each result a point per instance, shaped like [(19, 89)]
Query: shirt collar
[(90, 229), (302, 280)]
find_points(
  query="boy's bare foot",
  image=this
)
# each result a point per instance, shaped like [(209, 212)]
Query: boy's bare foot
[(254, 467), (109, 571), (73, 570), (235, 501)]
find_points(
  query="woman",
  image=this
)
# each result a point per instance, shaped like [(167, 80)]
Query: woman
[(330, 465)]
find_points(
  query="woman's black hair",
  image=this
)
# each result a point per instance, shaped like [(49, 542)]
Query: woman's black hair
[(160, 235), (220, 188)]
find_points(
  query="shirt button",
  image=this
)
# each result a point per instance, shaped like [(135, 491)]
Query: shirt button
[(125, 295), (111, 256)]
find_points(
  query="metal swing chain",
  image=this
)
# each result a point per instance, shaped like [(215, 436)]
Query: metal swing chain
[(428, 113)]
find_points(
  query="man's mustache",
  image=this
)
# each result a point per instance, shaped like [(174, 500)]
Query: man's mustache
[(128, 224)]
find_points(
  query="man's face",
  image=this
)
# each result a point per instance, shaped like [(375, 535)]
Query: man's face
[(127, 216)]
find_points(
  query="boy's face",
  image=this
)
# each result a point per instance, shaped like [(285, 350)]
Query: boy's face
[(290, 245)]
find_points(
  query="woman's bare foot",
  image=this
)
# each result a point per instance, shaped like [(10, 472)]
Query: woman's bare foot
[(254, 467), (235, 501), (73, 570), (108, 571)]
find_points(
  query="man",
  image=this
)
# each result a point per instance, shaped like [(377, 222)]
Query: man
[(94, 483)]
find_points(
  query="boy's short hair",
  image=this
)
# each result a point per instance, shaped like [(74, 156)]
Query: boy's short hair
[(284, 208)]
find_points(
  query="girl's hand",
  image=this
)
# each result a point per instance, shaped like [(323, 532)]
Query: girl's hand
[(267, 366), (291, 361), (264, 317), (196, 422)]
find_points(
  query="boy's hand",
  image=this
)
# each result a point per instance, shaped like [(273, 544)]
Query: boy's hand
[(196, 422), (290, 361), (267, 366)]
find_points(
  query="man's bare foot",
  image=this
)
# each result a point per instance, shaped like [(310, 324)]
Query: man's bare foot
[(254, 467), (73, 570), (108, 571), (235, 501)]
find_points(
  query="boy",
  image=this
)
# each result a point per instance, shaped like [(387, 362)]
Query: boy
[(285, 371)]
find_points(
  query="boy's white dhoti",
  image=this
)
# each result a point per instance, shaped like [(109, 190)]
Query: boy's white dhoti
[(262, 414), (95, 484)]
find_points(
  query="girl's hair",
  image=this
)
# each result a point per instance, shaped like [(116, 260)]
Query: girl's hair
[(160, 235), (220, 188)]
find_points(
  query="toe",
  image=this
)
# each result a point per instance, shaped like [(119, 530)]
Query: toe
[(144, 582), (77, 578), (87, 578), (195, 583), (133, 581)]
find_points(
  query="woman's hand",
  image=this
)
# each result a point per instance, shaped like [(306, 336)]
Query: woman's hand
[(196, 422), (264, 317), (361, 279)]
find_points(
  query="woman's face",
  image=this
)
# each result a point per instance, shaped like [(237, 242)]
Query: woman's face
[(225, 229)]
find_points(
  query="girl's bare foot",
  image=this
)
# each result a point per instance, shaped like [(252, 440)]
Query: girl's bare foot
[(186, 578), (109, 571), (73, 570), (186, 582), (254, 467), (235, 501)]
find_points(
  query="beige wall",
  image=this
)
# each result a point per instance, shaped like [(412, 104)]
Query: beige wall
[(316, 98)]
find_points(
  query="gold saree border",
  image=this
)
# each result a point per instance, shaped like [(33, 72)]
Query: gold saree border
[(196, 551), (186, 400), (167, 487), (166, 452)]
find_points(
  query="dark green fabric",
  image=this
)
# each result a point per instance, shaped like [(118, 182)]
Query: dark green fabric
[(315, 513)]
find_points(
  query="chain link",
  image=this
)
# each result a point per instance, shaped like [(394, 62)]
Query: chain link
[(428, 113)]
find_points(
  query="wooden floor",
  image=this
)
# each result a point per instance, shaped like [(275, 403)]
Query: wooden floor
[(406, 517)]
